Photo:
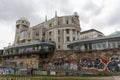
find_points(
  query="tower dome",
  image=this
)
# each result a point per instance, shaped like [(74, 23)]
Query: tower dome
[(23, 18), (76, 14), (23, 21)]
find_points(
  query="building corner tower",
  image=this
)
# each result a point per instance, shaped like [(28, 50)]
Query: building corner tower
[(22, 26)]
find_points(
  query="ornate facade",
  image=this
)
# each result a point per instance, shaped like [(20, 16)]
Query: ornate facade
[(58, 29)]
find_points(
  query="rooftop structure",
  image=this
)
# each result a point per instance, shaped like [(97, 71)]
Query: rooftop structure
[(92, 33), (100, 43)]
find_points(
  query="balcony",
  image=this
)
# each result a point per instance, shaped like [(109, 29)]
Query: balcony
[(27, 49)]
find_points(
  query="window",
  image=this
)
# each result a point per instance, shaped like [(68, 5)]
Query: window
[(68, 38), (73, 38), (17, 26), (22, 21), (103, 46), (58, 22), (50, 39), (43, 34), (58, 39), (46, 48), (73, 31), (50, 33), (67, 31), (58, 46), (26, 22), (50, 25), (39, 48), (77, 32), (23, 35), (67, 22), (37, 34), (58, 31)]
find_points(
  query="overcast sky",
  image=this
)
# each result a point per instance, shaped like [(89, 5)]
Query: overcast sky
[(103, 15)]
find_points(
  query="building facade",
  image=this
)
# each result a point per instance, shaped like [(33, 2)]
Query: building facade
[(34, 47), (92, 33), (100, 54), (58, 29), (100, 43), (57, 45)]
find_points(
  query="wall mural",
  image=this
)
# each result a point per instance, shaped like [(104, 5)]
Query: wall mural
[(59, 64), (112, 64), (92, 63), (5, 71), (109, 64), (9, 64)]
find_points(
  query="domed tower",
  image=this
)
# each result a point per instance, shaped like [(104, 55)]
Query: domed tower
[(22, 26)]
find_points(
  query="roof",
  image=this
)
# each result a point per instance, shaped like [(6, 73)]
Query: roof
[(95, 40), (34, 42), (90, 30), (115, 33), (23, 18)]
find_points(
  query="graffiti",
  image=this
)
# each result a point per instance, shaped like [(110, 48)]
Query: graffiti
[(92, 63), (58, 64), (4, 71), (114, 64), (111, 65), (9, 64)]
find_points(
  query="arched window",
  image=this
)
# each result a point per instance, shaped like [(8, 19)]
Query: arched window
[(23, 35)]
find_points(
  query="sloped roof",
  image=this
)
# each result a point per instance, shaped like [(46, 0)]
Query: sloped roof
[(90, 30)]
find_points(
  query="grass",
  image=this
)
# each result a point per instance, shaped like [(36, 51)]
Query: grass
[(40, 77), (46, 78)]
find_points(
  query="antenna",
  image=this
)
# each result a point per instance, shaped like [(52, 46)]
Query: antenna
[(45, 17), (55, 13)]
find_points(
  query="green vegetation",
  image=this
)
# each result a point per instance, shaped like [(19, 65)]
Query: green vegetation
[(38, 77)]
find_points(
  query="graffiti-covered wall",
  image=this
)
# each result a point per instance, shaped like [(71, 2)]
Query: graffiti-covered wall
[(4, 71), (100, 61), (95, 61), (61, 61)]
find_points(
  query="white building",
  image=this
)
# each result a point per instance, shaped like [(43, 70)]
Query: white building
[(92, 33), (60, 30)]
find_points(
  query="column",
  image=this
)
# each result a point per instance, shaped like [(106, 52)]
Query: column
[(71, 35)]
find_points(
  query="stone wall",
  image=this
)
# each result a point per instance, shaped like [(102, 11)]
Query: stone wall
[(90, 61)]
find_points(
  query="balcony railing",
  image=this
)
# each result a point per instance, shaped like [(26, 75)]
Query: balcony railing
[(29, 49)]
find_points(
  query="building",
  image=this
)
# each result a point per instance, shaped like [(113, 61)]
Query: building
[(58, 29), (100, 43), (35, 46), (98, 55), (27, 55), (92, 33), (115, 33), (57, 45)]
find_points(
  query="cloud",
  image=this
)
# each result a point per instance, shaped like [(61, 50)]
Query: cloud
[(97, 14)]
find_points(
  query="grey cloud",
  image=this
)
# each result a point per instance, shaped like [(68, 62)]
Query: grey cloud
[(35, 11), (93, 8), (114, 18), (12, 10)]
